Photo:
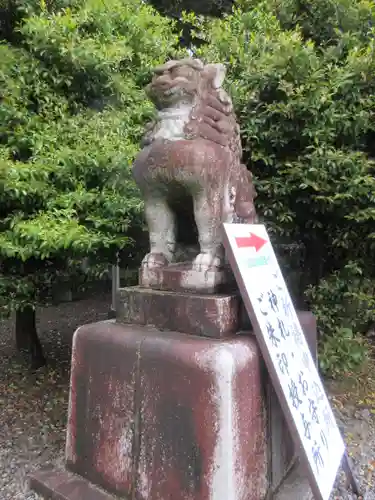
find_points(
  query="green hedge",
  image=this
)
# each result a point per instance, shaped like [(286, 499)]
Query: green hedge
[(72, 111), (303, 79)]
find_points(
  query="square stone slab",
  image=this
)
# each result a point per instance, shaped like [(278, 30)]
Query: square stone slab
[(181, 277)]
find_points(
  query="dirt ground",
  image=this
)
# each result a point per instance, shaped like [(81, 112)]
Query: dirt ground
[(34, 406)]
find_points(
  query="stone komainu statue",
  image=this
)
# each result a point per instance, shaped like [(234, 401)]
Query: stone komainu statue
[(191, 162)]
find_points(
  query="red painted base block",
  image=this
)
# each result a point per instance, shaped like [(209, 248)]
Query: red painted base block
[(162, 415), (64, 485)]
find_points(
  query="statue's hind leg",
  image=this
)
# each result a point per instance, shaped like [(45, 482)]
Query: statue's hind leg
[(161, 226), (208, 220)]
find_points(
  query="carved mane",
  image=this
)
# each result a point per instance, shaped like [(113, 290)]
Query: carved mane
[(202, 109), (191, 164)]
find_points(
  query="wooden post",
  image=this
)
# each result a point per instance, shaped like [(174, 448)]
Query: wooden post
[(115, 288)]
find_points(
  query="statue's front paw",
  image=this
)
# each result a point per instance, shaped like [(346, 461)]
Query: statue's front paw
[(206, 261), (152, 260)]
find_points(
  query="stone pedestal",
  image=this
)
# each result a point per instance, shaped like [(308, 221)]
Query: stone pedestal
[(182, 277), (215, 316), (156, 415), (172, 402)]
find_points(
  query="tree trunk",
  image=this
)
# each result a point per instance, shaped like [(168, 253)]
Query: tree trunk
[(27, 336)]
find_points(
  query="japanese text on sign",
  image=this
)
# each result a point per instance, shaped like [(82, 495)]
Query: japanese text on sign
[(260, 279)]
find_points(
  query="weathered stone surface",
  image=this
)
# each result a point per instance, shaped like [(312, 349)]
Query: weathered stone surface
[(165, 415), (296, 486), (182, 277), (206, 315), (190, 170), (96, 369), (146, 417), (215, 316), (63, 485)]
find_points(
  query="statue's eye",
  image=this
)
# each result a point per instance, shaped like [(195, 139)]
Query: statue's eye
[(159, 74), (183, 71)]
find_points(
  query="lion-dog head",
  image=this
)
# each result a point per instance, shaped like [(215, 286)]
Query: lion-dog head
[(188, 83)]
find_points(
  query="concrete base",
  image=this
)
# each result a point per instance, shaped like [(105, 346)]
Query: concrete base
[(64, 485), (166, 415), (215, 316), (295, 486)]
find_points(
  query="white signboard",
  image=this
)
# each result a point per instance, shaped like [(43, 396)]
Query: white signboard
[(286, 352)]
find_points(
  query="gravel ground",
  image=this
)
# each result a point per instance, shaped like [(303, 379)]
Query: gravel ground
[(34, 406), (354, 406)]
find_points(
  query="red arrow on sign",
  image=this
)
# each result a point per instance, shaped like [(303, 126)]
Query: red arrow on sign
[(252, 241)]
